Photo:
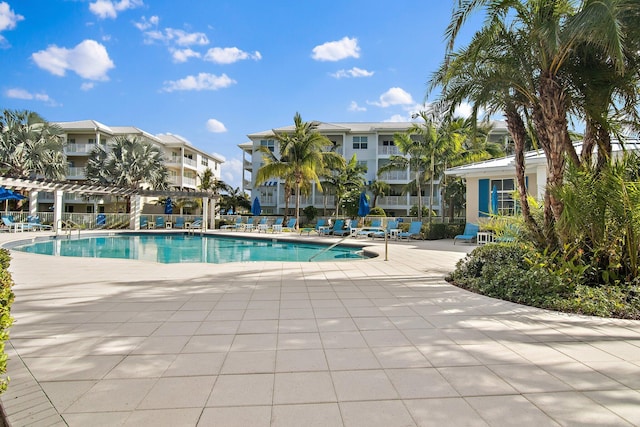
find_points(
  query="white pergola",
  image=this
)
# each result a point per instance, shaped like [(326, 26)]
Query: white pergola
[(58, 188)]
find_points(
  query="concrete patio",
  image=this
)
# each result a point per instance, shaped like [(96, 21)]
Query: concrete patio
[(100, 342)]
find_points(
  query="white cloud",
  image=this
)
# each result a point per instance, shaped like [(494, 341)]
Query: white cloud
[(145, 24), (354, 72), (394, 96), (202, 81), (215, 126), (183, 55), (18, 93), (463, 110), (177, 37), (109, 9), (337, 50), (398, 118), (355, 107), (89, 59), (229, 55), (8, 18), (87, 86), (231, 172)]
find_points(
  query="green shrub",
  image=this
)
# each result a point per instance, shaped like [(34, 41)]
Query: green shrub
[(6, 299), (310, 212), (377, 211)]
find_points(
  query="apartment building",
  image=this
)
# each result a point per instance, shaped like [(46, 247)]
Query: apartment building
[(184, 161), (371, 143)]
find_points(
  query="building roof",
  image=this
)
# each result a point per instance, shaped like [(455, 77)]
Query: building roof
[(531, 158), (88, 125), (351, 128)]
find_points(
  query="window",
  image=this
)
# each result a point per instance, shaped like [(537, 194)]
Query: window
[(360, 142), (504, 189), (204, 161), (269, 143), (388, 143), (92, 141), (71, 140)]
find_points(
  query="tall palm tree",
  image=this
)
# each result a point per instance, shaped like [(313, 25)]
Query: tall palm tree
[(234, 199), (30, 146), (301, 158), (550, 32), (344, 179)]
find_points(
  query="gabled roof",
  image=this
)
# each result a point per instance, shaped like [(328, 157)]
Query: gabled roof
[(85, 125)]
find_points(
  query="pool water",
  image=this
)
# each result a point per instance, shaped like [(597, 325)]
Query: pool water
[(181, 248)]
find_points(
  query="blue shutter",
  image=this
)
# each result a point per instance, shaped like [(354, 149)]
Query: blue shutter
[(483, 197)]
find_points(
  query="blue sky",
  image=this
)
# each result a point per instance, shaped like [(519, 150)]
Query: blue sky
[(215, 71)]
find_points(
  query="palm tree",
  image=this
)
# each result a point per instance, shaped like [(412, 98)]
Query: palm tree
[(129, 162), (379, 189), (344, 179), (301, 158), (549, 33), (30, 146), (234, 199)]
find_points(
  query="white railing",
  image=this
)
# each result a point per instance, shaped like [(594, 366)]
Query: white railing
[(394, 176), (79, 148), (392, 201), (172, 179), (190, 162), (188, 181), (76, 173), (413, 200), (388, 151)]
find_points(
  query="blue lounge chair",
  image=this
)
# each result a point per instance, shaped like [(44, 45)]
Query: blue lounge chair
[(469, 234), (233, 226), (337, 227), (343, 231), (15, 226), (262, 225), (391, 225), (320, 223), (369, 230), (35, 223), (414, 230), (277, 225), (197, 224), (159, 222), (144, 222), (179, 222), (291, 225)]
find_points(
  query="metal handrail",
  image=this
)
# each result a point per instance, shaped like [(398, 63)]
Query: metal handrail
[(69, 226), (328, 248)]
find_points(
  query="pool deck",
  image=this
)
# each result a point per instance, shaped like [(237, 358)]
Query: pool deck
[(105, 342)]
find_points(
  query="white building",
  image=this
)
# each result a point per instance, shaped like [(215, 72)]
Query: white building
[(184, 161), (372, 144)]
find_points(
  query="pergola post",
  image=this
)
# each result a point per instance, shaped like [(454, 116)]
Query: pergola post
[(57, 210), (134, 217), (205, 213), (33, 203)]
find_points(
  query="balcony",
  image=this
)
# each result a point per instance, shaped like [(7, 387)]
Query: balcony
[(190, 162), (76, 173), (392, 201), (188, 182), (388, 151), (247, 165), (425, 201), (79, 149), (394, 176)]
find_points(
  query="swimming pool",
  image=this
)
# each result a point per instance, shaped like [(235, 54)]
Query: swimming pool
[(183, 248)]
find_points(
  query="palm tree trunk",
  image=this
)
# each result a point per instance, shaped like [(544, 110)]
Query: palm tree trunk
[(419, 188), (431, 190), (297, 205)]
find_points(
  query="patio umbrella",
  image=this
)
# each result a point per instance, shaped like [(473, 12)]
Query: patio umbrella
[(6, 195), (494, 200), (363, 205), (168, 206), (256, 209)]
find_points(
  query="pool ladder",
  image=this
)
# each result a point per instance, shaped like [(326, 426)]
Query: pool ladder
[(386, 246), (69, 226)]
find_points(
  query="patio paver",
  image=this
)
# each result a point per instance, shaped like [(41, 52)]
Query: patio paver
[(359, 343)]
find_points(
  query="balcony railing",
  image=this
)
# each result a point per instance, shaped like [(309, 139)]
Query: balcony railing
[(388, 151), (189, 181), (190, 162), (413, 200), (81, 149), (390, 201), (394, 176), (76, 173)]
